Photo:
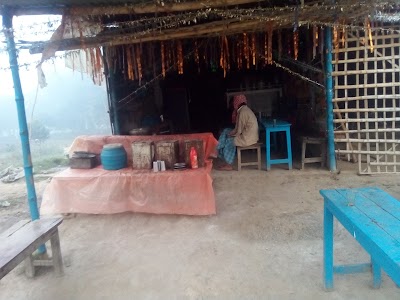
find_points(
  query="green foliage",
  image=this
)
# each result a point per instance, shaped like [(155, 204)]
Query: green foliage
[(39, 131)]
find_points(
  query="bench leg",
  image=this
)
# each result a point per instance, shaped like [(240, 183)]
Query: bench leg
[(328, 249), (303, 154), (268, 149), (239, 155), (29, 267), (289, 148), (376, 273), (56, 252), (259, 157)]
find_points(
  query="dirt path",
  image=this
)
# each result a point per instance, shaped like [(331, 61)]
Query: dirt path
[(265, 242)]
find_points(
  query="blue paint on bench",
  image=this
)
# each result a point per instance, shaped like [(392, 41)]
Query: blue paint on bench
[(373, 218)]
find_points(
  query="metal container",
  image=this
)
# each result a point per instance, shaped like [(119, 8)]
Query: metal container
[(142, 155), (140, 131), (167, 151), (199, 146), (83, 161)]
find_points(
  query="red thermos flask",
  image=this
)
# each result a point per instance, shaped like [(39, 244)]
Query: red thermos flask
[(193, 158)]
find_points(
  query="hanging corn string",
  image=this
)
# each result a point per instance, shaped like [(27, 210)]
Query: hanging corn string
[(139, 63), (253, 48), (296, 44), (270, 34), (197, 56), (129, 61), (246, 50), (315, 40), (336, 42), (369, 30), (343, 35), (162, 59), (227, 57), (180, 57), (265, 47)]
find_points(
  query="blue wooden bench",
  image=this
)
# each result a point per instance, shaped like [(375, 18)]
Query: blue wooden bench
[(373, 218)]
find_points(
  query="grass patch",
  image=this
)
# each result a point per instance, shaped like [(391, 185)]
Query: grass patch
[(44, 164)]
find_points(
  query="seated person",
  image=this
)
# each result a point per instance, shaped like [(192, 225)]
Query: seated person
[(244, 134)]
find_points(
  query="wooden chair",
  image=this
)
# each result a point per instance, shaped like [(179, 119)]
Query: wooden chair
[(256, 146)]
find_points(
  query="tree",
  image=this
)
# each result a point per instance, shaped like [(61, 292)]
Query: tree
[(39, 131)]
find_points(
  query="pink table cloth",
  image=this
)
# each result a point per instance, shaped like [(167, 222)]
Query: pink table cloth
[(98, 191)]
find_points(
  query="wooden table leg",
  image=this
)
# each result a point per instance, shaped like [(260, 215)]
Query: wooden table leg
[(29, 267), (328, 249), (376, 273), (56, 252)]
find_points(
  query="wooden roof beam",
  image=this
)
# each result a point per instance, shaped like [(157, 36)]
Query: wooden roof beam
[(157, 8), (133, 9), (198, 31)]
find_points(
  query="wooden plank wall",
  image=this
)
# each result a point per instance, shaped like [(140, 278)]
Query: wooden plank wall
[(367, 100)]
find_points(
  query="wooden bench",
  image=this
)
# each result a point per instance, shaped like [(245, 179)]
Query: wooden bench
[(373, 218), (21, 240), (256, 146)]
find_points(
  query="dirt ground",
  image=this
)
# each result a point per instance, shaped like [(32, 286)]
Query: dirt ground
[(265, 242)]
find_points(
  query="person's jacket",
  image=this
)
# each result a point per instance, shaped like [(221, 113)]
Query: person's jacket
[(246, 129)]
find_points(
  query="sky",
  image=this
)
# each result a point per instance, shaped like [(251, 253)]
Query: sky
[(65, 92)]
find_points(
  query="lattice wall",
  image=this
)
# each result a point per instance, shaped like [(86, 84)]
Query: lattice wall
[(367, 101)]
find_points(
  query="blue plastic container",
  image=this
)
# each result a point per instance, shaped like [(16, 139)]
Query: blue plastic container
[(113, 157)]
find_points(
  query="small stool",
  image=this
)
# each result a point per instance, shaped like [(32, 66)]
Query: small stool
[(316, 141), (256, 146)]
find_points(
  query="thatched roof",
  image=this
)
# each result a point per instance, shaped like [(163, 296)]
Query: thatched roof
[(138, 21)]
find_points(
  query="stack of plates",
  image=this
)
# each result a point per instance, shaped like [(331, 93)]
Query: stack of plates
[(180, 166)]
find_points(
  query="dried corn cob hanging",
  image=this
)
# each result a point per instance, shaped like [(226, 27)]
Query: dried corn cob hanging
[(163, 59), (129, 62), (343, 35), (315, 41), (227, 56), (246, 50), (221, 56), (253, 48), (270, 33), (180, 57), (197, 56), (369, 30), (139, 63), (265, 47), (336, 41), (296, 44), (322, 42)]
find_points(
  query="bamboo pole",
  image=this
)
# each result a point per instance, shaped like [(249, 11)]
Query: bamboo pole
[(359, 144), (367, 120), (368, 153), (366, 110), (357, 97), (369, 130), (368, 85)]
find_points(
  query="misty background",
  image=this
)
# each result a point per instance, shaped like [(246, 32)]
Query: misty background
[(70, 102), (69, 106)]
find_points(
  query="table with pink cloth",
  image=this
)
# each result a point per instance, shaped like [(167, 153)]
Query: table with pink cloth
[(98, 191)]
